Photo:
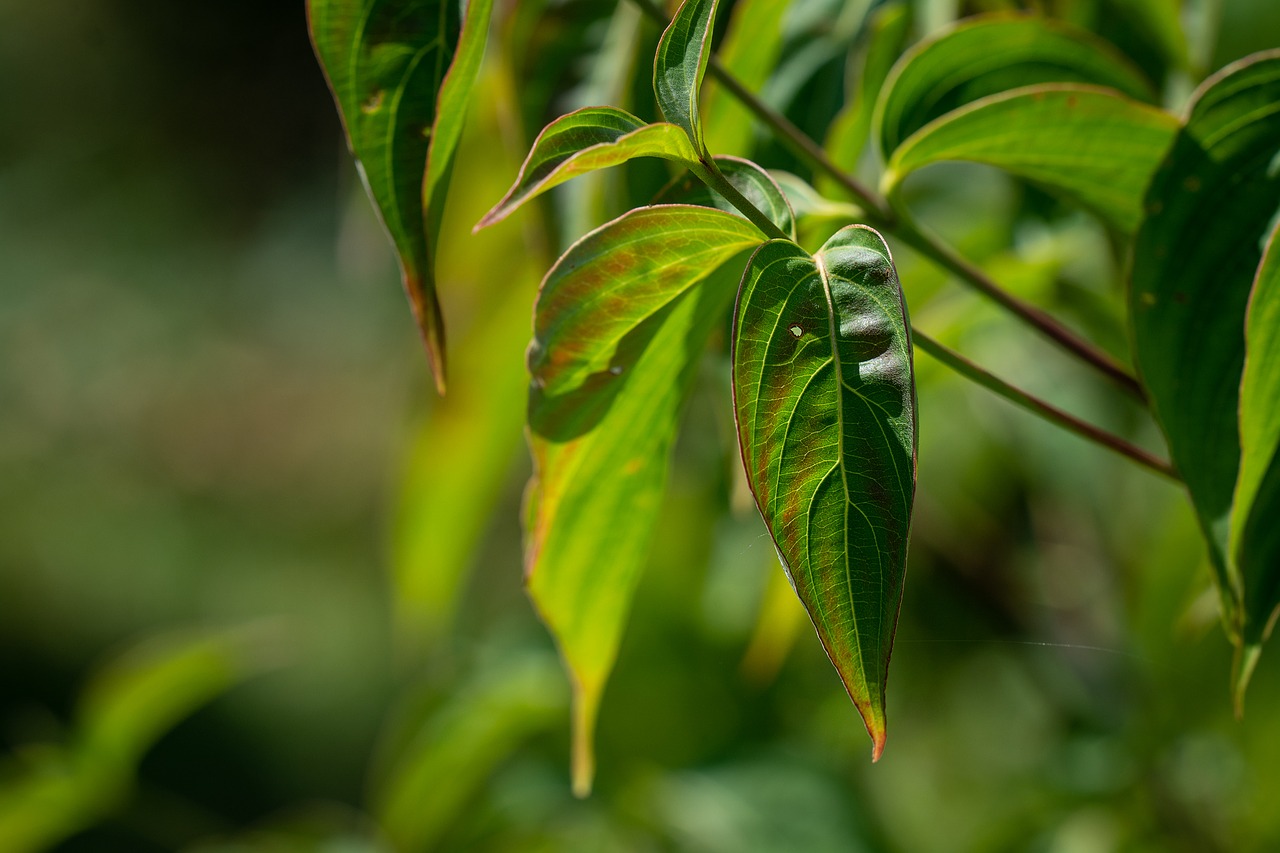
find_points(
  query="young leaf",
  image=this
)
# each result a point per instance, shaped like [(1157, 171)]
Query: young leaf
[(617, 335), (1195, 258), (1090, 144), (990, 54), (401, 74), (756, 185), (678, 66), (825, 401), (1255, 536), (583, 141)]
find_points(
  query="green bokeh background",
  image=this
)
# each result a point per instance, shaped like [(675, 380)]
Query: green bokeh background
[(215, 413)]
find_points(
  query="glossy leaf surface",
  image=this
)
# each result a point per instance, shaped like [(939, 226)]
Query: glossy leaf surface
[(401, 74), (680, 63), (583, 141), (987, 55), (619, 327), (755, 184), (825, 402), (1255, 534), (1210, 207), (1092, 145)]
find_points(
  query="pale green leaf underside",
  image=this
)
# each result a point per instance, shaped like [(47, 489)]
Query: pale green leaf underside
[(619, 327), (391, 67), (1255, 534), (825, 403), (679, 64), (586, 140), (1210, 206), (1090, 144), (990, 54)]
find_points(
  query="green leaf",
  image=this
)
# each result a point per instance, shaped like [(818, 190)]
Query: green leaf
[(990, 54), (750, 50), (678, 66), (427, 786), (887, 33), (619, 328), (755, 184), (401, 74), (1210, 205), (583, 141), (825, 402), (1255, 536), (1092, 145)]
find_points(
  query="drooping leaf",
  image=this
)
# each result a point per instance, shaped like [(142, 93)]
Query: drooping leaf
[(990, 54), (456, 748), (825, 402), (401, 74), (1210, 206), (1255, 535), (887, 33), (755, 184), (680, 63), (583, 141), (619, 326), (1092, 145), (749, 52)]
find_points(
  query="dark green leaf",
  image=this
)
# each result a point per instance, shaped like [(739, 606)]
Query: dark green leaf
[(617, 335), (825, 402), (755, 184), (990, 54), (1092, 145), (401, 74), (1210, 206), (679, 64), (583, 141)]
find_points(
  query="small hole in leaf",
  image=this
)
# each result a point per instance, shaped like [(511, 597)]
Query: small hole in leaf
[(797, 331)]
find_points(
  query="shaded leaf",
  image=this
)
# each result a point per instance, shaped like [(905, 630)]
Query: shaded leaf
[(755, 184), (825, 403), (680, 63), (990, 54), (401, 74), (619, 327), (456, 749), (1195, 257), (1092, 145), (583, 141)]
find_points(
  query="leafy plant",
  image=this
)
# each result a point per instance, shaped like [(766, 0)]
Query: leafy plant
[(821, 346)]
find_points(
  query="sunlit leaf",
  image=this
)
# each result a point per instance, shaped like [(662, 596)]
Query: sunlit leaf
[(1210, 207), (679, 64), (886, 35), (991, 54), (755, 184), (1255, 535), (401, 74), (1092, 145), (619, 327), (583, 141), (432, 777), (825, 404), (749, 52)]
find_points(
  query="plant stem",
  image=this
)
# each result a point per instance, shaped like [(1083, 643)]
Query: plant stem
[(881, 214), (1051, 413), (714, 178)]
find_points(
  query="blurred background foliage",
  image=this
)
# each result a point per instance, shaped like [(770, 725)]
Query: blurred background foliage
[(260, 588)]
